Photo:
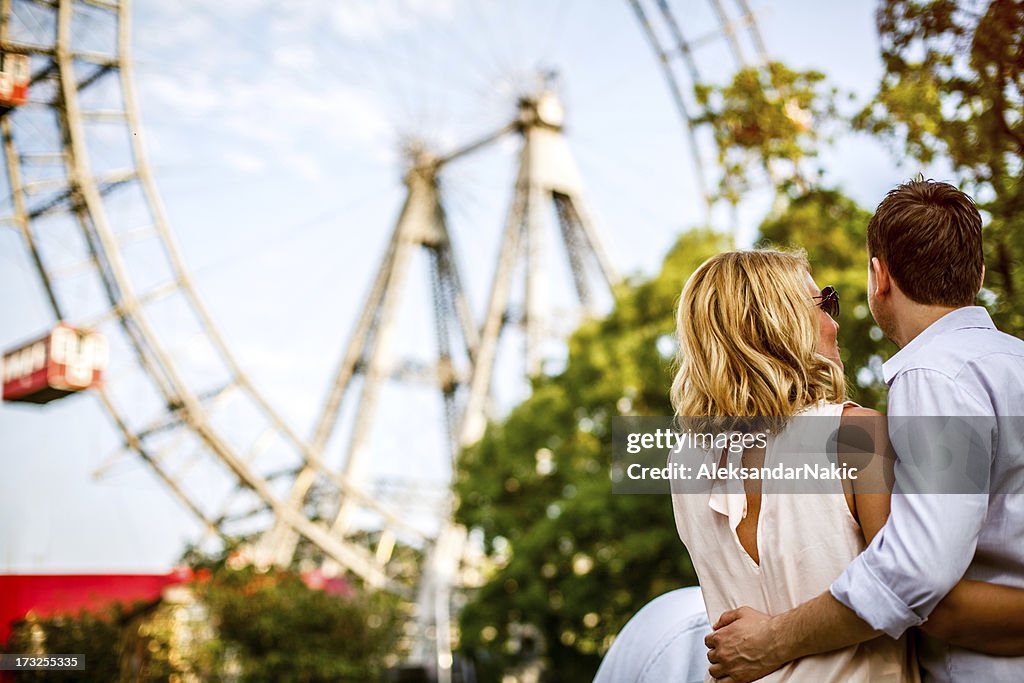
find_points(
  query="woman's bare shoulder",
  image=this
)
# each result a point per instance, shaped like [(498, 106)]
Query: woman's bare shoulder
[(854, 410)]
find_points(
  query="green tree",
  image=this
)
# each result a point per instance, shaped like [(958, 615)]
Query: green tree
[(953, 87), (768, 119), (578, 561), (95, 636), (276, 628)]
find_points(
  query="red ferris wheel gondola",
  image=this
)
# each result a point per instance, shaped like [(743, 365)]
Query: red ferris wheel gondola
[(15, 76), (63, 362)]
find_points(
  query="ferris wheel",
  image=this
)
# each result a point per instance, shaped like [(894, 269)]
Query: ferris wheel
[(130, 326)]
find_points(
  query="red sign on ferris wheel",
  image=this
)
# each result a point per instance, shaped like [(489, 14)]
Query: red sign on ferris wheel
[(15, 76), (63, 362)]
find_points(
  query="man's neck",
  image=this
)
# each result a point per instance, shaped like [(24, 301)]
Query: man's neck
[(916, 319)]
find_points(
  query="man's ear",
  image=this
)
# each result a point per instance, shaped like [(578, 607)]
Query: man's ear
[(880, 274)]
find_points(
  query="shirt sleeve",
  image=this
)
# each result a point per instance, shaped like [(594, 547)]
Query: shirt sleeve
[(932, 532)]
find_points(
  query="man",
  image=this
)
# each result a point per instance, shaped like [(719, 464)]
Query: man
[(664, 641), (926, 268)]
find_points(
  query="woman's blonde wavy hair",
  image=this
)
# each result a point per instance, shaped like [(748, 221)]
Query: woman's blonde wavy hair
[(748, 338)]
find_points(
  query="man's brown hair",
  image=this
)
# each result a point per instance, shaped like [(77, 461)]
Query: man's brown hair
[(929, 235)]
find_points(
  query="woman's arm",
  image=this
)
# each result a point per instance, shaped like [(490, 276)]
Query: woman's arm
[(986, 617), (863, 444)]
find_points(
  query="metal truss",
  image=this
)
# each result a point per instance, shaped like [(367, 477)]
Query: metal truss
[(547, 175), (421, 227)]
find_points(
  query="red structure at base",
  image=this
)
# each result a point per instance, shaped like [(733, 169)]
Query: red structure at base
[(48, 594)]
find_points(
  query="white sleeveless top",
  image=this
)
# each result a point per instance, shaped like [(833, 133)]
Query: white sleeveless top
[(804, 540)]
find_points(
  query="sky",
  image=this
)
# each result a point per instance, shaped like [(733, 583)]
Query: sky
[(275, 133)]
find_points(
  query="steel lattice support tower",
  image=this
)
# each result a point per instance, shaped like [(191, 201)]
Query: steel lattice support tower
[(548, 175), (421, 227)]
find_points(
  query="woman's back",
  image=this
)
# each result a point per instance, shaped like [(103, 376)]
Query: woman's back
[(803, 542)]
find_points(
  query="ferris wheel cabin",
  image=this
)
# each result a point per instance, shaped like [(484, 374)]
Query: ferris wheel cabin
[(63, 362), (15, 77)]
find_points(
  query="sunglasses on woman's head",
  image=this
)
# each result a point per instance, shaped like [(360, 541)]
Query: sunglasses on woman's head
[(829, 301)]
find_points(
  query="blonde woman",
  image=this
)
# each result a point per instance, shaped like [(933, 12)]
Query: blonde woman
[(758, 338)]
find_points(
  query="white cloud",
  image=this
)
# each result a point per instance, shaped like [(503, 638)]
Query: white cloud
[(193, 96), (184, 27), (371, 20), (293, 86), (245, 161), (306, 166), (299, 124), (298, 57)]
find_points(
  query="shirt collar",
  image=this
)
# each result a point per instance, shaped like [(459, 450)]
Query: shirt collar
[(957, 319)]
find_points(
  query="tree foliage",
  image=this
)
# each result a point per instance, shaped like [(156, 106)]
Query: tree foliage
[(953, 87), (97, 637), (770, 119), (277, 628)]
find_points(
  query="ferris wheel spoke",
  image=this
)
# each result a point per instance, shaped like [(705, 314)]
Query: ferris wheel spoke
[(132, 441), (42, 159), (105, 116), (20, 218)]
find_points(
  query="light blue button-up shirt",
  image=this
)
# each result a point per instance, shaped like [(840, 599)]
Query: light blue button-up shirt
[(662, 643), (961, 365)]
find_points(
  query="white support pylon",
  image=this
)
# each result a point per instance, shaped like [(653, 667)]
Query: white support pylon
[(421, 225), (432, 644), (547, 173)]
